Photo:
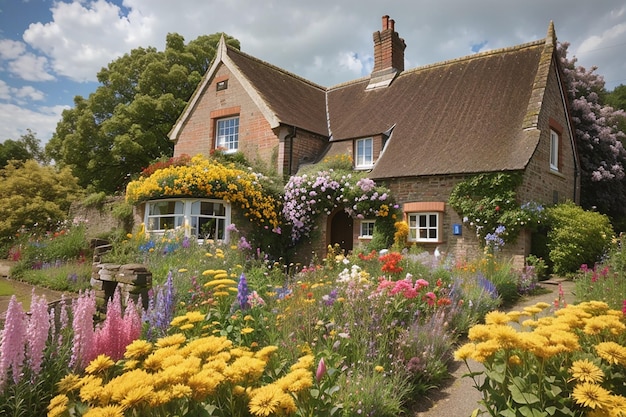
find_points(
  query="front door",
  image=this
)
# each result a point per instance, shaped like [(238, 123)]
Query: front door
[(341, 230)]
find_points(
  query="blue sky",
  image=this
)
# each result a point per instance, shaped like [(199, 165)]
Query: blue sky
[(51, 51)]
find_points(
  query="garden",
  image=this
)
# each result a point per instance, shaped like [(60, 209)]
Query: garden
[(231, 329)]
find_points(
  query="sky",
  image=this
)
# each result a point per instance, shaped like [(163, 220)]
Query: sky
[(52, 50)]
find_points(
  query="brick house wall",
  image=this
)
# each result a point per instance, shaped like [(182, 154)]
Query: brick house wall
[(540, 183), (257, 141)]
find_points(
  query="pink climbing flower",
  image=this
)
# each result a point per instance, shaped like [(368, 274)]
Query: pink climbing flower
[(84, 308)]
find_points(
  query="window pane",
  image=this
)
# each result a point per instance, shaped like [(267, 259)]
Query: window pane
[(423, 221), (228, 133)]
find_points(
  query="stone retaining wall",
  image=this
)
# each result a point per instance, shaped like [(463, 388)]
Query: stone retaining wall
[(134, 280)]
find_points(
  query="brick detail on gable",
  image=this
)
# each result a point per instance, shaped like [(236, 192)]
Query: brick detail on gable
[(230, 111)]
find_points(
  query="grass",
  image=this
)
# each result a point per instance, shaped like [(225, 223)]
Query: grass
[(6, 289)]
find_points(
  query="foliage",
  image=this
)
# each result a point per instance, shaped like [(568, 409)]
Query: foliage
[(606, 280), (487, 202), (576, 237), (111, 136), (206, 178), (33, 196), (380, 328), (569, 363), (308, 196), (598, 139), (539, 265), (25, 148), (95, 200)]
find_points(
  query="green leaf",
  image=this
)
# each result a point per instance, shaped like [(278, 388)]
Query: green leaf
[(526, 411), (522, 397)]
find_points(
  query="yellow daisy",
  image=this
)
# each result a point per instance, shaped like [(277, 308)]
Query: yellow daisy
[(591, 395), (100, 364), (586, 371)]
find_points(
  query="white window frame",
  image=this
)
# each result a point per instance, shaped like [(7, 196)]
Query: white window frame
[(423, 231), (227, 134), (366, 229), (186, 217), (362, 158), (554, 150)]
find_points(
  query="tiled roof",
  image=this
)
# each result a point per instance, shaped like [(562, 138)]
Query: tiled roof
[(294, 100), (472, 114), (459, 116)]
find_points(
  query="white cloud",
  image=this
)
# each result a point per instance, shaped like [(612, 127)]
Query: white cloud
[(41, 121), (30, 67), (10, 49)]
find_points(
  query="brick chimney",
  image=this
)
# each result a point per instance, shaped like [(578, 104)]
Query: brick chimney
[(388, 55), (388, 47)]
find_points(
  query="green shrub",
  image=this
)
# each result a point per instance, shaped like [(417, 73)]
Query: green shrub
[(95, 200), (576, 237)]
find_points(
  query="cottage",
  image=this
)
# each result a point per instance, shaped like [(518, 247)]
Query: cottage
[(420, 131)]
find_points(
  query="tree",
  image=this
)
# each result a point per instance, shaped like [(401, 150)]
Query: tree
[(123, 126), (34, 195), (617, 100), (25, 148), (598, 140)]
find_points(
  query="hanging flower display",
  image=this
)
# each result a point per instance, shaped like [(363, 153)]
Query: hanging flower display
[(210, 178)]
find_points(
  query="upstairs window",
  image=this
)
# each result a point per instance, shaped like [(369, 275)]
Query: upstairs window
[(364, 157), (227, 134), (554, 150)]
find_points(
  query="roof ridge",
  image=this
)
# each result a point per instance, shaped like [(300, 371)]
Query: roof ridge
[(538, 42), (276, 68)]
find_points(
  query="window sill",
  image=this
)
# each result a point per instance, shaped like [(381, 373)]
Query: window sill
[(365, 237), (557, 173)]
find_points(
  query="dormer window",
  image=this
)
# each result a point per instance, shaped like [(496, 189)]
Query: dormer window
[(364, 153)]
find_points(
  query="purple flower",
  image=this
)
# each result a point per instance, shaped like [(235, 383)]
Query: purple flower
[(242, 292)]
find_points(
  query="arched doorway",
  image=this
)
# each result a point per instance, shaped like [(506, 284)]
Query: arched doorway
[(341, 230)]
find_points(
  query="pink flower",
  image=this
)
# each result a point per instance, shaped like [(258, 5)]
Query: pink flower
[(37, 332), (13, 342), (321, 370), (421, 283), (430, 298), (84, 308)]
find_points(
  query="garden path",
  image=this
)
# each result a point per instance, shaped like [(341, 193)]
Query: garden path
[(459, 398), (22, 290)]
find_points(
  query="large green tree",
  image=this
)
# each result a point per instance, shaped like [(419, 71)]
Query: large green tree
[(34, 195), (25, 148), (123, 126)]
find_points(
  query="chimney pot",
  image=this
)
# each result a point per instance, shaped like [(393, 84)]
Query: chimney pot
[(392, 24), (385, 22)]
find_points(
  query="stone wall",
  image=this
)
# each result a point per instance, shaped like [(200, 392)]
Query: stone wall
[(134, 280), (98, 220)]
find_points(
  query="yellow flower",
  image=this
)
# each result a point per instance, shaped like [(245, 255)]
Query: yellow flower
[(136, 396), (612, 352), (265, 401), (90, 391), (107, 411), (69, 383), (220, 281), (101, 363), (137, 349), (247, 330), (591, 395), (586, 371), (496, 317), (379, 368), (58, 405), (182, 270), (172, 340), (515, 360), (465, 352)]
